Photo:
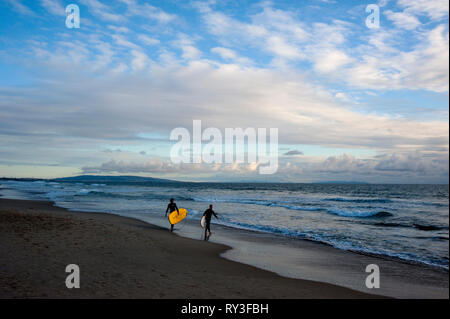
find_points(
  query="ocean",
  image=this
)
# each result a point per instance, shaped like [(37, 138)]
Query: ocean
[(409, 222)]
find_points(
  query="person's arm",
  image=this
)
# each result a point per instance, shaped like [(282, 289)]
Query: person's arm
[(177, 209), (167, 209), (215, 215)]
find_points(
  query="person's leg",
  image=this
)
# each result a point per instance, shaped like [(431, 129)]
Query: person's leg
[(171, 227), (207, 229)]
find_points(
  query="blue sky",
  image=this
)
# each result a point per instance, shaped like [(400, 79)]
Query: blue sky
[(352, 103)]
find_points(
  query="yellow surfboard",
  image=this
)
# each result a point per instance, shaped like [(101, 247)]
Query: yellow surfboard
[(175, 218)]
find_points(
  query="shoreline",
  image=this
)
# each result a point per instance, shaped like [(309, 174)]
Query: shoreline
[(121, 257), (13, 193), (397, 259), (401, 279), (415, 260), (316, 261)]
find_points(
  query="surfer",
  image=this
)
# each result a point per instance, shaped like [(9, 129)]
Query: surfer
[(208, 214), (171, 208)]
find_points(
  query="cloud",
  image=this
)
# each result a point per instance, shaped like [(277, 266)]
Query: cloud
[(224, 53), (140, 60), (187, 45), (423, 67), (119, 29), (54, 7), (331, 60), (342, 164), (274, 31), (112, 151), (403, 20), (230, 55), (293, 152), (102, 11), (146, 10), (190, 52), (400, 163), (435, 10), (148, 40), (158, 166), (110, 88), (342, 96), (19, 7), (394, 167), (408, 18), (376, 62), (123, 41), (126, 104), (112, 166), (408, 167), (414, 162)]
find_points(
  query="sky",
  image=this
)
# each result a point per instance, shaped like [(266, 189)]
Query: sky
[(351, 103)]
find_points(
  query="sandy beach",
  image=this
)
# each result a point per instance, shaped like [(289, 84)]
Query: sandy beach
[(125, 258)]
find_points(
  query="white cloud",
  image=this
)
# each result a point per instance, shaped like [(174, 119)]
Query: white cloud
[(428, 65), (120, 68), (224, 95), (403, 20), (435, 9), (423, 67), (342, 96), (167, 167), (376, 63), (148, 40), (123, 41), (102, 11), (383, 3), (224, 53), (19, 7), (281, 48), (394, 167), (274, 31), (148, 11), (54, 7), (98, 93), (230, 55), (119, 29), (406, 167), (190, 52), (140, 60), (293, 152), (187, 45), (331, 60)]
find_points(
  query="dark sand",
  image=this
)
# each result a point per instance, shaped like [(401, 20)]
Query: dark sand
[(125, 258)]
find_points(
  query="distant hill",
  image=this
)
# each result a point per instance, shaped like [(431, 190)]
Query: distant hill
[(112, 179), (18, 179), (101, 179)]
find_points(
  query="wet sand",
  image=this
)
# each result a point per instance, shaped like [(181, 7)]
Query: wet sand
[(305, 259), (122, 257)]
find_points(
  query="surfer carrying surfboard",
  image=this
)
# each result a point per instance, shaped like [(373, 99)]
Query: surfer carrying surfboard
[(207, 215), (171, 208)]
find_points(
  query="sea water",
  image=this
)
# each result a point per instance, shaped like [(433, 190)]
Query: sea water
[(409, 222)]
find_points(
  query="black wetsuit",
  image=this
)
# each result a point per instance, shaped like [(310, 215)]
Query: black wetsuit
[(208, 214), (171, 207)]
